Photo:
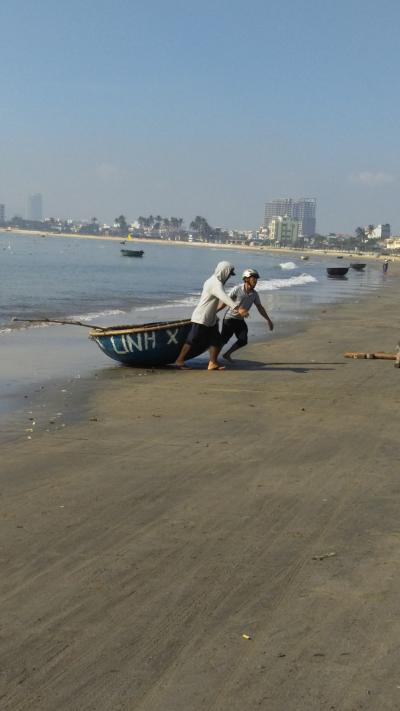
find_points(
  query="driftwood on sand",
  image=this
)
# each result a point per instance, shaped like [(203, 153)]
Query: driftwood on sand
[(378, 355)]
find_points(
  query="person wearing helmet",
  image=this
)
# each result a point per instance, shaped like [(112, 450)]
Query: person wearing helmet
[(204, 332), (245, 295)]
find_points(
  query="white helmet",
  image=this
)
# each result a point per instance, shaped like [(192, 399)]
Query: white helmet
[(250, 273)]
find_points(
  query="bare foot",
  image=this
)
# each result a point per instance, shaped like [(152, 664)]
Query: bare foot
[(215, 366), (227, 357), (181, 366)]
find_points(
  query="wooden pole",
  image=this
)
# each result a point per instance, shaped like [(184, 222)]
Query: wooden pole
[(371, 356), (64, 323)]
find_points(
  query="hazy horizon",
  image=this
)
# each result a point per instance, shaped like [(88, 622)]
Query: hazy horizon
[(183, 109)]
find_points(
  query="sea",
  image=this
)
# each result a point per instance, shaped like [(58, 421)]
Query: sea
[(62, 278)]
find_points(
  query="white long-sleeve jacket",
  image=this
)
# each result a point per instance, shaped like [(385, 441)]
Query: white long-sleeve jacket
[(213, 292)]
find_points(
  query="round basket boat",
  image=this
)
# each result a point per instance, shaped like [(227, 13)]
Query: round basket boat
[(358, 266), (147, 345), (337, 271)]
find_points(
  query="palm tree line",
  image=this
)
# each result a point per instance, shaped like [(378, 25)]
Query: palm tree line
[(172, 225)]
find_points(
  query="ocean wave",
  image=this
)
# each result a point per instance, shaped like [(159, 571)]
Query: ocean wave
[(93, 316), (274, 284), (25, 325), (288, 265), (21, 327), (176, 303)]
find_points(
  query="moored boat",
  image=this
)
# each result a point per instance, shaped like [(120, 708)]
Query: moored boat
[(132, 252), (337, 271), (358, 266), (146, 345), (304, 257)]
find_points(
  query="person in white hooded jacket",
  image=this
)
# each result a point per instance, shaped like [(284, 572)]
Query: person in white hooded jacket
[(204, 332)]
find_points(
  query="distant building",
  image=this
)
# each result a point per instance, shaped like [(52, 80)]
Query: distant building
[(380, 232), (284, 230), (35, 211), (2, 213), (393, 243), (302, 209)]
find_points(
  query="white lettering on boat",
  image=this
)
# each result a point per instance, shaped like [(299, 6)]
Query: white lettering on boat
[(150, 338), (172, 336), (123, 342), (132, 343), (129, 343)]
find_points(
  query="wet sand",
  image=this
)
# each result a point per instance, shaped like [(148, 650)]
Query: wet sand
[(225, 541)]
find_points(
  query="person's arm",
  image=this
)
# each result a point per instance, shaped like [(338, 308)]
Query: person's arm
[(226, 300), (263, 313), (232, 294)]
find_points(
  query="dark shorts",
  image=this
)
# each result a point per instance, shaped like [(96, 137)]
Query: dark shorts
[(202, 337), (234, 326)]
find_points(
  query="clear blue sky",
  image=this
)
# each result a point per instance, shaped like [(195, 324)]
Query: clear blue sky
[(181, 107)]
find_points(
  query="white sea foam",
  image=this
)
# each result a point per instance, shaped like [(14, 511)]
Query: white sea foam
[(25, 327), (154, 307), (184, 301), (76, 317), (274, 284), (288, 265), (93, 316)]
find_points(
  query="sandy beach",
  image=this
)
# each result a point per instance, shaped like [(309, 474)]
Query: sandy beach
[(225, 541), (204, 245)]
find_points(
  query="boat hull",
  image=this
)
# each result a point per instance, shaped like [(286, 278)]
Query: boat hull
[(132, 252), (337, 271), (358, 266), (148, 345)]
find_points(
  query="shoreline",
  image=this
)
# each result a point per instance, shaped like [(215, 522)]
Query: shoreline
[(223, 540), (251, 248), (78, 360)]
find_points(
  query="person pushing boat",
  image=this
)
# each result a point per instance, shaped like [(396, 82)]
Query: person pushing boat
[(244, 295), (204, 333)]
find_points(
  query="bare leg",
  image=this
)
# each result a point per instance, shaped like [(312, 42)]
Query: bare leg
[(232, 349), (180, 361), (213, 362)]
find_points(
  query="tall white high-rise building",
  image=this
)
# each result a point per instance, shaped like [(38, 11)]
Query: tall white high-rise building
[(302, 209), (35, 211)]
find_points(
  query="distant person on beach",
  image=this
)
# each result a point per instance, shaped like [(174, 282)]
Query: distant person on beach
[(204, 333), (244, 295), (385, 266)]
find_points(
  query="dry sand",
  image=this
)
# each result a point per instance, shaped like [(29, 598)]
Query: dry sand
[(187, 509)]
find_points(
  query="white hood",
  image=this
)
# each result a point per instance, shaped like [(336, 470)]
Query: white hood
[(223, 270)]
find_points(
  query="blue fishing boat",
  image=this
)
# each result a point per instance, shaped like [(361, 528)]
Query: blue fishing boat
[(147, 345)]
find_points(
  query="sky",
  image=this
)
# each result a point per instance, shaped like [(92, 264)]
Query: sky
[(211, 108)]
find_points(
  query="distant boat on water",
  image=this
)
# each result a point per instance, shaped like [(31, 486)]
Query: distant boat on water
[(337, 271), (132, 252), (358, 266), (304, 257)]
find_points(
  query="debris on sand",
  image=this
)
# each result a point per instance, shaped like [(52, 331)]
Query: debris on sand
[(323, 556)]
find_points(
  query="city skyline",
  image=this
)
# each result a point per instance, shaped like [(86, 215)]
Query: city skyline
[(190, 110), (302, 210)]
